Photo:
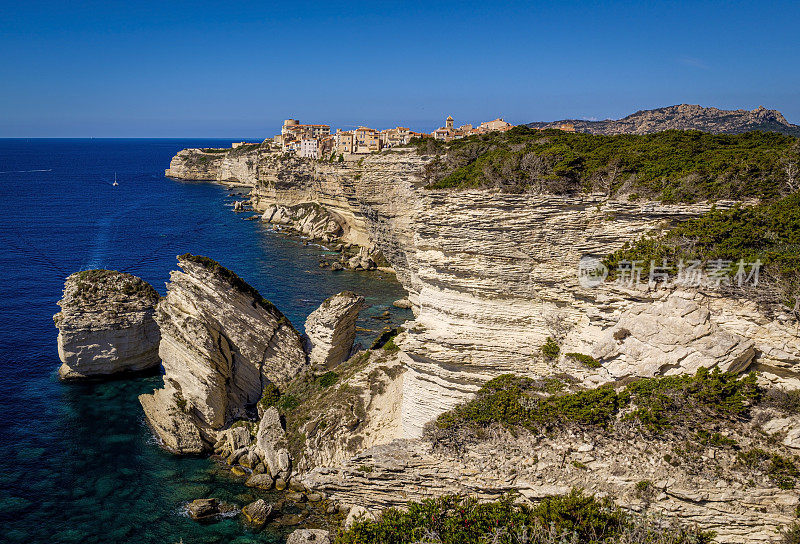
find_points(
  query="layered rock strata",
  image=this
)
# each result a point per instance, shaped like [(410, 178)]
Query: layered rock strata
[(491, 275), (335, 420), (106, 325), (331, 329), (696, 483), (308, 219), (221, 344)]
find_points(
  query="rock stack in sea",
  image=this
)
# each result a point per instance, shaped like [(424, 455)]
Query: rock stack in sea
[(106, 325), (331, 330), (222, 344)]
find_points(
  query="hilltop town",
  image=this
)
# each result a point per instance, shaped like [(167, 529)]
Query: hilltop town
[(317, 142)]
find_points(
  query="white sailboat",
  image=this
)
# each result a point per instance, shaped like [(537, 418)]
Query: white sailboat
[(115, 180)]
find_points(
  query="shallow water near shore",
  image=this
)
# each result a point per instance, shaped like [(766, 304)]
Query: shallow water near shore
[(79, 463)]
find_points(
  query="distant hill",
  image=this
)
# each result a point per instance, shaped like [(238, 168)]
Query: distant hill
[(685, 117)]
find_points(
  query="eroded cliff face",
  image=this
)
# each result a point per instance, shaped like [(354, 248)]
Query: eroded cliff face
[(702, 485), (221, 344), (106, 325), (492, 275), (331, 330)]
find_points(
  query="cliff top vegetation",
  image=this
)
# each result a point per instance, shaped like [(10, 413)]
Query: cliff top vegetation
[(654, 403), (670, 166), (768, 232), (94, 285)]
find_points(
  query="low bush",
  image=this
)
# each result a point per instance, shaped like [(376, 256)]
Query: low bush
[(288, 402), (767, 232), (782, 471), (672, 166), (269, 396), (586, 360), (621, 334), (550, 348), (660, 402), (575, 517), (654, 403), (791, 534), (645, 489), (328, 379), (719, 440)]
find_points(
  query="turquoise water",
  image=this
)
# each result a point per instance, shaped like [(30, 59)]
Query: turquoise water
[(79, 464)]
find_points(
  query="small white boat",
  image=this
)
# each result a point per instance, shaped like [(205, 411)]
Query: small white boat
[(115, 180)]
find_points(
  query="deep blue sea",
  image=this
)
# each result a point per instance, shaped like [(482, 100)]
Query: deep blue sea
[(78, 462)]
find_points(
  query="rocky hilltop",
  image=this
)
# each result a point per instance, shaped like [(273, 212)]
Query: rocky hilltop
[(106, 325), (684, 117)]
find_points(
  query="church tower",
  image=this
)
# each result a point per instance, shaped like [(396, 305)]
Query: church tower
[(449, 122)]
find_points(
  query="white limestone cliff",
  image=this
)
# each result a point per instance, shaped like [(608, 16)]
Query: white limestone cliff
[(331, 330), (221, 344), (106, 325), (491, 275)]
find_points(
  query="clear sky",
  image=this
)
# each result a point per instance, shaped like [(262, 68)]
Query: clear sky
[(237, 69)]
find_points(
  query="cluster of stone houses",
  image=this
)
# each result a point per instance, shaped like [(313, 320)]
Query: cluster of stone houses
[(316, 141), (448, 132)]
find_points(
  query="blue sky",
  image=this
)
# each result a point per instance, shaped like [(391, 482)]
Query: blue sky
[(236, 69)]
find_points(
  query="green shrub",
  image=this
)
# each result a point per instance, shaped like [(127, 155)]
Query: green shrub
[(269, 396), (180, 402), (655, 403), (660, 402), (707, 438), (791, 534), (550, 348), (645, 489), (781, 470), (672, 166), (586, 360), (767, 232), (288, 402), (328, 379), (574, 517)]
